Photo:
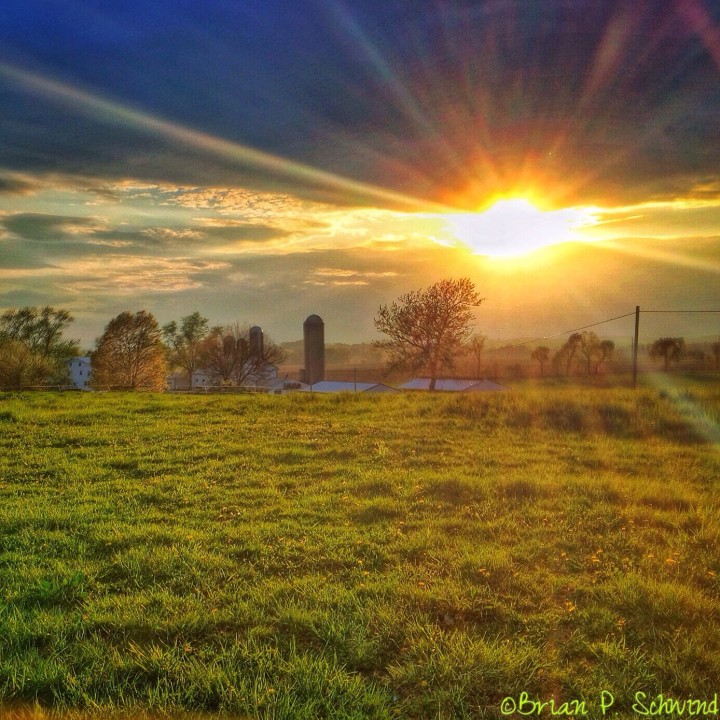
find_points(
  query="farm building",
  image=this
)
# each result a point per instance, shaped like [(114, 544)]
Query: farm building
[(454, 385), (330, 386), (79, 368), (280, 386), (201, 379)]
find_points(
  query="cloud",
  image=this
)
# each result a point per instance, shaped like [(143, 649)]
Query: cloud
[(338, 277), (43, 227), (16, 185), (454, 101)]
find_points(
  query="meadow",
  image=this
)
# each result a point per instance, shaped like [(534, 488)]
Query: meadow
[(357, 556)]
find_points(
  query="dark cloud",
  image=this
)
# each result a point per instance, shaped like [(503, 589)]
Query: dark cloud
[(12, 185), (597, 98), (42, 227)]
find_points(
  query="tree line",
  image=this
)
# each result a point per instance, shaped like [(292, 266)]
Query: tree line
[(427, 331), (134, 351)]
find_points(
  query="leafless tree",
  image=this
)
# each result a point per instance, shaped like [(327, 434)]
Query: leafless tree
[(426, 329), (475, 347), (230, 356)]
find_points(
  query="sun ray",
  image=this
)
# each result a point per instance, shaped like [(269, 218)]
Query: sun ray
[(116, 113), (664, 256)]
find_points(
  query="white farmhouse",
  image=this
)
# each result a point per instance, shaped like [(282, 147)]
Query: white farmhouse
[(201, 379), (79, 368)]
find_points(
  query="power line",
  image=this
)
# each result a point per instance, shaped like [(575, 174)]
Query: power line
[(560, 334), (680, 311)]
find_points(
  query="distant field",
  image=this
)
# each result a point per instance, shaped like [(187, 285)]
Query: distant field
[(350, 556)]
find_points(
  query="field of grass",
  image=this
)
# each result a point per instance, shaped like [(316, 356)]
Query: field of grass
[(356, 556)]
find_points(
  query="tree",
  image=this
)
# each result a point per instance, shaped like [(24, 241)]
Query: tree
[(234, 355), (541, 355), (605, 352), (699, 357), (715, 347), (33, 350), (185, 342), (427, 328), (475, 346), (589, 345), (669, 349), (564, 356), (130, 354)]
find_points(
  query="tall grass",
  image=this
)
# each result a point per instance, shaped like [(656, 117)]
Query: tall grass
[(351, 556)]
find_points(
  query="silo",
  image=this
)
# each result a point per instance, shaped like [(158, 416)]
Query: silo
[(256, 341), (314, 340)]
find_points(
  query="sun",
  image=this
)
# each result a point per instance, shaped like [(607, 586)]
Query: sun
[(513, 227)]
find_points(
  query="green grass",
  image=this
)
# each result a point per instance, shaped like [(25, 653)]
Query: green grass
[(408, 556)]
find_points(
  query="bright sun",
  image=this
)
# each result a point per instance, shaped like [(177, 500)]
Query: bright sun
[(513, 227)]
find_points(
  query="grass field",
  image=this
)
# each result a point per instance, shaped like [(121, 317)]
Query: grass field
[(356, 556)]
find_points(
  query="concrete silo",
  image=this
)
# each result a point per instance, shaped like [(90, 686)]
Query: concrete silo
[(256, 340), (314, 340)]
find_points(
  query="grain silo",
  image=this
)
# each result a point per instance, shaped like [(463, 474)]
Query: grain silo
[(256, 341), (314, 340)]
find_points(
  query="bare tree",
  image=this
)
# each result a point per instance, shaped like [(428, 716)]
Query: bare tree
[(589, 346), (231, 355), (670, 349), (541, 355), (475, 347), (130, 354), (427, 328)]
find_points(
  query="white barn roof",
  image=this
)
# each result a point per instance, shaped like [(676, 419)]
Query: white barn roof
[(328, 386), (454, 385)]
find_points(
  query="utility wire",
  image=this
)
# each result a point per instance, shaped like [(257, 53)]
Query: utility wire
[(560, 334), (585, 327)]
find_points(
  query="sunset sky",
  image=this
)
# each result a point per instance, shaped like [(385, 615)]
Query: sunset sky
[(262, 161)]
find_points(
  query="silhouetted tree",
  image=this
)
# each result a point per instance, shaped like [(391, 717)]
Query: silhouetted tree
[(594, 350), (130, 354), (669, 349), (715, 347), (589, 346), (541, 355), (427, 328), (565, 355), (229, 356), (605, 352), (33, 350), (184, 342), (475, 347)]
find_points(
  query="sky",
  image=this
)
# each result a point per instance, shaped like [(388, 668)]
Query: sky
[(263, 161)]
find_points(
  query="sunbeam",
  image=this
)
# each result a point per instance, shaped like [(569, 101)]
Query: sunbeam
[(116, 113)]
